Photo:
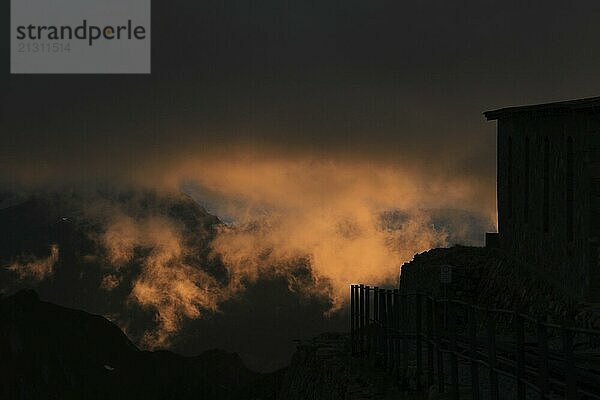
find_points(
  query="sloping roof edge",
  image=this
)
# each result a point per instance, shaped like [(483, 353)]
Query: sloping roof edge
[(559, 106)]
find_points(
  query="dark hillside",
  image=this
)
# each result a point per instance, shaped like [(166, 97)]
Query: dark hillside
[(52, 352)]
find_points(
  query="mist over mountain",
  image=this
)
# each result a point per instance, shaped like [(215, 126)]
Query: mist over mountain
[(461, 227), (58, 242), (146, 260)]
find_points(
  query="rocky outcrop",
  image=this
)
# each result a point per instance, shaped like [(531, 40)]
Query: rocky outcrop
[(323, 369), (489, 278)]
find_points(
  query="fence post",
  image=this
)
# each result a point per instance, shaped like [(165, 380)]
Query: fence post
[(419, 339), (542, 339), (451, 316), (367, 320), (356, 319), (570, 373), (473, 350), (430, 334), (396, 328), (520, 356), (382, 327), (376, 304), (377, 320), (352, 327), (388, 325), (361, 314), (406, 324), (491, 324), (439, 323), (398, 350)]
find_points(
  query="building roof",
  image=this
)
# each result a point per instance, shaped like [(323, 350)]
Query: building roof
[(590, 103)]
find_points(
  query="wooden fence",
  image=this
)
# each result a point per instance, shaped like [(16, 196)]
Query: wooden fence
[(472, 352)]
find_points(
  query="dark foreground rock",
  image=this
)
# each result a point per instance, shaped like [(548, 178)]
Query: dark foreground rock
[(51, 352), (490, 278), (324, 369)]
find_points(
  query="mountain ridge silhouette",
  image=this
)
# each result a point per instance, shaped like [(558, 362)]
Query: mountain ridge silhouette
[(54, 352)]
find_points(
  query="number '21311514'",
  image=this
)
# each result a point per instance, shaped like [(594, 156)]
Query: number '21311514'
[(35, 47)]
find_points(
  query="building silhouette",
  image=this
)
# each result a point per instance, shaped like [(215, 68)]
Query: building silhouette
[(549, 190)]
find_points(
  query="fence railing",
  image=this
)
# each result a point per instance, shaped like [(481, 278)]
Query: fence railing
[(459, 348)]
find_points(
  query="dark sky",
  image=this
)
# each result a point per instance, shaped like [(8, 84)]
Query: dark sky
[(371, 79)]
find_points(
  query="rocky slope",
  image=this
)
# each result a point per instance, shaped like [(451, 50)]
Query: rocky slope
[(489, 278), (323, 369), (52, 352), (56, 242)]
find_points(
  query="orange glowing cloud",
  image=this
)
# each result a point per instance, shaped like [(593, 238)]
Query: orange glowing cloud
[(287, 214), (36, 269), (166, 283), (326, 211)]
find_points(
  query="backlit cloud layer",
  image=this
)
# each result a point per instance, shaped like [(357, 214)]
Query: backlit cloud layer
[(339, 222)]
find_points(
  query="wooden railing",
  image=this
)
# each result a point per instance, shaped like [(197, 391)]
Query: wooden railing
[(470, 351)]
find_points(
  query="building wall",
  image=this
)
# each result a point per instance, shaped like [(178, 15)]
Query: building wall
[(534, 199), (594, 193)]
